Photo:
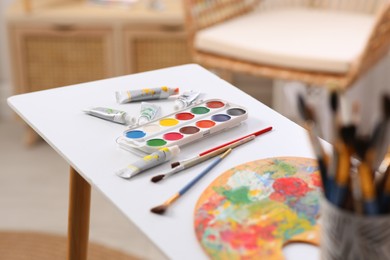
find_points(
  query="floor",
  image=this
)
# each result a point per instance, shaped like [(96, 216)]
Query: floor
[(34, 188), (34, 196)]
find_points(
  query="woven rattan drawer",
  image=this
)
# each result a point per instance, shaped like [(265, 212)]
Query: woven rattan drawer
[(153, 49), (59, 56)]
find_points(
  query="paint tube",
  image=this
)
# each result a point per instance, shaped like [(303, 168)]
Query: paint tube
[(186, 99), (162, 155), (148, 112), (112, 115), (145, 94)]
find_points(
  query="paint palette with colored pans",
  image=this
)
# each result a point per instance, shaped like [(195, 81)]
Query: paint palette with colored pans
[(184, 126)]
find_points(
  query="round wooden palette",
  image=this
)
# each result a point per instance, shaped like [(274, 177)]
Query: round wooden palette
[(253, 210)]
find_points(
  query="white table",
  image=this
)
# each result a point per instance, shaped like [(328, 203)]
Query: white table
[(88, 145)]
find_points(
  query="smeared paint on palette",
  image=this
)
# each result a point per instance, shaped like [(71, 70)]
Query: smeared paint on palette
[(253, 210), (185, 126)]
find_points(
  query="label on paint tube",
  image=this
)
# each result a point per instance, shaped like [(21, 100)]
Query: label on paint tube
[(186, 99), (145, 94), (112, 115), (148, 112), (149, 161)]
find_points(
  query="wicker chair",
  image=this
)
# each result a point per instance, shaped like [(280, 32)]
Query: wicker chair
[(204, 18)]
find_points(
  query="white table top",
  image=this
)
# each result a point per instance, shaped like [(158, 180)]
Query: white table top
[(88, 145)]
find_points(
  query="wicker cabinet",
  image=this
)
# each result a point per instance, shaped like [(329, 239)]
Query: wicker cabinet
[(155, 48), (62, 42), (49, 57)]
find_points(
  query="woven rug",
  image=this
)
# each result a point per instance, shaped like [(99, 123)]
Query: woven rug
[(43, 246)]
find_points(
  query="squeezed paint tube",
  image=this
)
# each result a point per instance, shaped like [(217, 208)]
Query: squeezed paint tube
[(148, 112), (162, 155), (145, 94), (186, 99), (112, 115)]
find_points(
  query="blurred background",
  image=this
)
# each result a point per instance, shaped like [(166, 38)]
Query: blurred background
[(52, 43), (5, 74)]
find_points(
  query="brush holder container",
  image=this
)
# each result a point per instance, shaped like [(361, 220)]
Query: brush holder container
[(348, 236)]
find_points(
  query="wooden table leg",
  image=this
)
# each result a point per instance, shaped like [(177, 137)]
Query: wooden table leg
[(78, 221), (31, 137)]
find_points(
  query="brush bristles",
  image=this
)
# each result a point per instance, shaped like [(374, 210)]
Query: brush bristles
[(306, 112), (361, 146), (175, 164), (386, 106), (347, 134), (302, 107), (159, 209), (157, 178), (334, 101)]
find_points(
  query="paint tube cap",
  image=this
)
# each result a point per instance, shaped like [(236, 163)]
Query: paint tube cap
[(130, 120), (175, 150), (142, 120), (179, 104)]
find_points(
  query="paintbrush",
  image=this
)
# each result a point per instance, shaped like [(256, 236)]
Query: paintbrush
[(381, 134), (162, 208), (364, 150), (342, 146), (356, 192), (198, 160), (385, 192), (257, 133), (334, 107), (339, 175), (340, 187), (368, 189), (322, 159), (381, 172)]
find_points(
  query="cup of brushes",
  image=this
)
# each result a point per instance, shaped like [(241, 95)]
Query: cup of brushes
[(355, 206)]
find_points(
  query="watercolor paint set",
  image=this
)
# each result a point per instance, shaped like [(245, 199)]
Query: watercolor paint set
[(184, 126)]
